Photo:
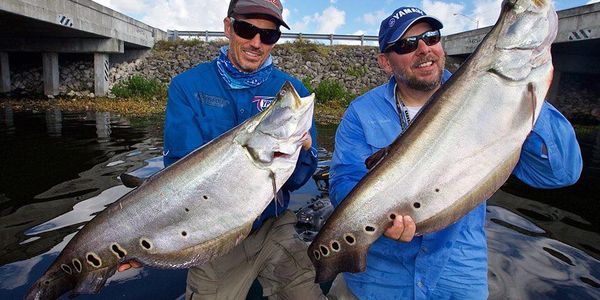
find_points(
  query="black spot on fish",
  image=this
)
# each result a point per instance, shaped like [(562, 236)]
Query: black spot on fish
[(369, 229), (184, 233), (77, 265), (94, 260), (146, 244), (324, 250), (205, 197), (437, 190), (118, 251), (392, 216), (349, 239), (67, 269), (417, 205), (317, 254), (47, 282), (187, 209), (335, 246)]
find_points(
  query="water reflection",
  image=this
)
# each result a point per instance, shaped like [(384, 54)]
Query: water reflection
[(60, 169), (54, 122), (596, 150), (569, 227), (102, 125), (533, 266), (82, 212), (7, 125)]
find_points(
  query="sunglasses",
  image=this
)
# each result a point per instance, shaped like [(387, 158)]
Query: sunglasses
[(248, 31), (411, 43)]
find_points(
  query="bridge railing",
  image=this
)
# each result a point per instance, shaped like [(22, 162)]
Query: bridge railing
[(175, 34)]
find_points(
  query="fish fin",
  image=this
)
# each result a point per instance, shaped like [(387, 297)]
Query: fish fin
[(533, 97), (277, 195), (131, 181), (374, 160), (327, 268), (94, 281)]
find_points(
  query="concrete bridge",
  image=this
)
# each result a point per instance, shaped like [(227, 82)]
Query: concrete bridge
[(70, 26), (575, 50)]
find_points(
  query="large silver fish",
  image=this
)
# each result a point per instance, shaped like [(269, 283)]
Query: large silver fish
[(459, 150), (193, 211)]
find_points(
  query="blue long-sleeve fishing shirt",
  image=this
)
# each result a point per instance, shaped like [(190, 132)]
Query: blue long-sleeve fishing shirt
[(453, 261), (201, 106)]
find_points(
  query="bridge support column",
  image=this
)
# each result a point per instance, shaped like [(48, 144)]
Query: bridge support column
[(552, 96), (51, 74), (101, 71), (4, 73)]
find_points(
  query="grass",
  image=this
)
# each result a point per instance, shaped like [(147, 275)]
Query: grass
[(308, 50), (166, 45), (140, 87), (329, 91), (357, 71), (127, 107), (329, 113)]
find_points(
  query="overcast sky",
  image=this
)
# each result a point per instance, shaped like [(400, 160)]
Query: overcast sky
[(318, 16)]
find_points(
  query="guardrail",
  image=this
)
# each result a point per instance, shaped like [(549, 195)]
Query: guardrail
[(175, 34)]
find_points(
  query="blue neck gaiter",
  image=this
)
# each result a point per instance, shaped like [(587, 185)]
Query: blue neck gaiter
[(237, 79)]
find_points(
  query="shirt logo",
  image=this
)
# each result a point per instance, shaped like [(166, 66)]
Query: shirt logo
[(262, 102), (212, 100), (392, 22), (401, 13)]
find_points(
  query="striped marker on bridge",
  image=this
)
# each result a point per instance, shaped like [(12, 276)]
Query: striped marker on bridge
[(582, 34), (106, 70), (64, 20)]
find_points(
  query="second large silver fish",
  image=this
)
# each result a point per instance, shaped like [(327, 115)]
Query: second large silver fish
[(460, 149)]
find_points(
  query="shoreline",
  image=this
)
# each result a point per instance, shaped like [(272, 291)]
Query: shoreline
[(135, 107), (329, 114)]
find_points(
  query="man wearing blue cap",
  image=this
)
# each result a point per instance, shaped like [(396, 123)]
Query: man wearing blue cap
[(210, 99), (451, 263)]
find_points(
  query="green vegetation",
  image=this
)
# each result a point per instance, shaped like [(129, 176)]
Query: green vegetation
[(165, 45), (357, 71), (308, 50), (333, 91), (138, 86), (306, 81), (330, 92)]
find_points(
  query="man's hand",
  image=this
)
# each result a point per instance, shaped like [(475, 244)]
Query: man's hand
[(128, 265), (308, 142), (403, 229)]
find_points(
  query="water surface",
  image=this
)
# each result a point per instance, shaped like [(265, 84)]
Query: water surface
[(58, 170)]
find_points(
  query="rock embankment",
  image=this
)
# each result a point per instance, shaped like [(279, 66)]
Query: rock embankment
[(354, 67)]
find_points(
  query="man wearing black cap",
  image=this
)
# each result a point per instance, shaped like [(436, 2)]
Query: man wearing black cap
[(450, 263), (212, 98)]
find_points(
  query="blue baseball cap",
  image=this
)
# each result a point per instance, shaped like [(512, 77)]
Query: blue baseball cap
[(394, 26)]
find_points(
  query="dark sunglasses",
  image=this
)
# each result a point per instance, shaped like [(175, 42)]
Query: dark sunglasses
[(411, 43), (248, 31)]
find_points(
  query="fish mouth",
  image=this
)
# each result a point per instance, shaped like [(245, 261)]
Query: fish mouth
[(290, 154), (284, 155)]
